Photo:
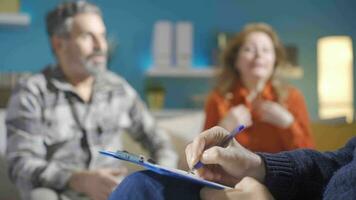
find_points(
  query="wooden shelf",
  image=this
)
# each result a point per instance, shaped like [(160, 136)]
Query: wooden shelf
[(295, 72), (175, 72), (15, 19), (290, 72)]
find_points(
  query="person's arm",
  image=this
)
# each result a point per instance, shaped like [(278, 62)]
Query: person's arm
[(145, 131), (26, 149), (298, 134), (303, 174), (298, 174), (291, 119)]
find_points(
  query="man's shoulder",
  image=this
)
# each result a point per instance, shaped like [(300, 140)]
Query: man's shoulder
[(33, 83), (28, 89)]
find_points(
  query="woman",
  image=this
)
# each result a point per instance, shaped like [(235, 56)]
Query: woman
[(248, 93)]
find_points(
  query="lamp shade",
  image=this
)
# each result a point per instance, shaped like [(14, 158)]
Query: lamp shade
[(335, 77)]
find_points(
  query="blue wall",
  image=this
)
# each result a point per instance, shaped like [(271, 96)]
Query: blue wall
[(130, 24)]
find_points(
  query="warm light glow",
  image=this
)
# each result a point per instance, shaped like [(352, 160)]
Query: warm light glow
[(335, 77)]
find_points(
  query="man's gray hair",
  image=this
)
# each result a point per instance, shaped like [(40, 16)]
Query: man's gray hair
[(59, 20)]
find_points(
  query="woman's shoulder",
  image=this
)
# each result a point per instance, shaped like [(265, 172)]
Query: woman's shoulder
[(294, 94), (215, 96), (294, 91)]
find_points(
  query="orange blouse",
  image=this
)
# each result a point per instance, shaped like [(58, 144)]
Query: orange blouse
[(262, 136)]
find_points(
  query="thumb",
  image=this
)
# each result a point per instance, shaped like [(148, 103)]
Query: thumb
[(246, 182)]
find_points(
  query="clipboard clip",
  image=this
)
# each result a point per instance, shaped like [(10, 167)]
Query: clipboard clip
[(133, 157), (130, 157)]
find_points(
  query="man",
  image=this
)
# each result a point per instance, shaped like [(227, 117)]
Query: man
[(297, 174), (58, 120)]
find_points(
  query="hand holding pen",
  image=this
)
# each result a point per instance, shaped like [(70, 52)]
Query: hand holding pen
[(224, 143), (226, 165)]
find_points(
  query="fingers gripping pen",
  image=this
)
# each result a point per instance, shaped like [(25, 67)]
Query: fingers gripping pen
[(226, 141)]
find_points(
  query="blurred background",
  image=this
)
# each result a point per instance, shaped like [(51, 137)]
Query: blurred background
[(319, 35), (24, 44)]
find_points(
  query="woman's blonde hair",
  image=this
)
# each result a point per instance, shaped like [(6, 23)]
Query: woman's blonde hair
[(228, 76)]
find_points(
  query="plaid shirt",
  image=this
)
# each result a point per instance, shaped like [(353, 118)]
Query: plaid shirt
[(52, 132)]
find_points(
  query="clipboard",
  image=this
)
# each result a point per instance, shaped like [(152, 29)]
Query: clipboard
[(167, 171)]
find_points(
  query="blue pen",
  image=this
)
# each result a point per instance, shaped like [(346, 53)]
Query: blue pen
[(231, 136)]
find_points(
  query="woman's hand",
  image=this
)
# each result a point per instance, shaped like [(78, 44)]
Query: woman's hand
[(273, 113), (238, 115)]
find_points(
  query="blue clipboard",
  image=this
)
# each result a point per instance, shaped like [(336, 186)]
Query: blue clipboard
[(175, 173)]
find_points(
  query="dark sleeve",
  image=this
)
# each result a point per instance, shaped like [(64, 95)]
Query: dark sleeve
[(303, 174)]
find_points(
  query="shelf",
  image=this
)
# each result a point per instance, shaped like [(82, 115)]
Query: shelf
[(17, 19), (175, 72), (290, 72)]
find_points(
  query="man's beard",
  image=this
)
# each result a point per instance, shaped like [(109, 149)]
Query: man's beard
[(92, 67)]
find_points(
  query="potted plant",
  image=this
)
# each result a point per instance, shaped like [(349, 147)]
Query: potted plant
[(155, 94)]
